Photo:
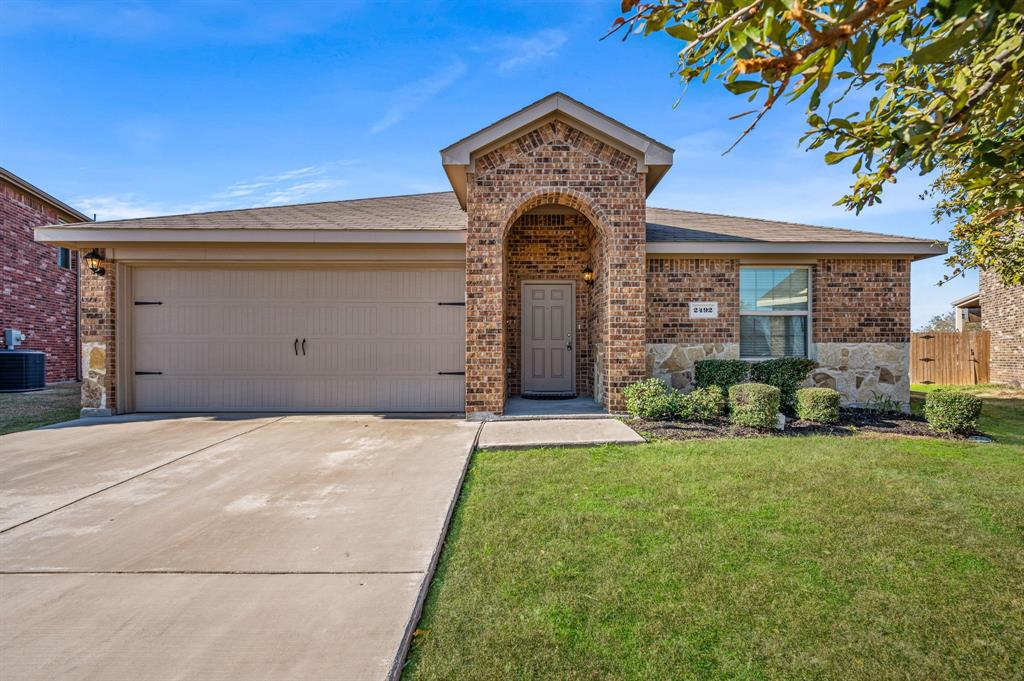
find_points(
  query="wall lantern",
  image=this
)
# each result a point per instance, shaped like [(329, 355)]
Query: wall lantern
[(588, 275), (93, 259)]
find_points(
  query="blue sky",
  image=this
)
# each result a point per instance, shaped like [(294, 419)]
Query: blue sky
[(146, 108)]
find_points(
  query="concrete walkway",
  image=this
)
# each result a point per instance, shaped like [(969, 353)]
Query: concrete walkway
[(555, 433), (264, 547)]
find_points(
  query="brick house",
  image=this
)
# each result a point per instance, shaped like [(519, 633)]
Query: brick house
[(40, 281), (543, 272), (1000, 310)]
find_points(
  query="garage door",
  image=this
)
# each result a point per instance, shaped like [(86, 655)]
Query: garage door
[(298, 339)]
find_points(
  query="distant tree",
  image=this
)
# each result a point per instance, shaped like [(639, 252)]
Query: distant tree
[(941, 322), (930, 85)]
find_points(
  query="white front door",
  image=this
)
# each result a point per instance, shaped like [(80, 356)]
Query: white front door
[(347, 339), (548, 340)]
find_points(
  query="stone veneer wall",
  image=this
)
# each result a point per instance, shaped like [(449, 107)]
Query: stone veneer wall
[(549, 247), (554, 163), (99, 366), (860, 322), (1002, 314)]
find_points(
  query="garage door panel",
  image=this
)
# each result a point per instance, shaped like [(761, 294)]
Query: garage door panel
[(376, 340)]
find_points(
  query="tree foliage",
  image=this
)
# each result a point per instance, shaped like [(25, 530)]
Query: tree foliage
[(941, 323), (890, 85)]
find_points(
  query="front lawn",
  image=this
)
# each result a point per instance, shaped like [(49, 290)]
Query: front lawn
[(769, 558), (22, 411)]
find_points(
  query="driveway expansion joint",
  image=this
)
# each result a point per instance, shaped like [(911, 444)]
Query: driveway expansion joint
[(139, 475)]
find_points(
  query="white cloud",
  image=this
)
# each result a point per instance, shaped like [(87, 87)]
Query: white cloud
[(414, 95), (309, 183), (524, 51)]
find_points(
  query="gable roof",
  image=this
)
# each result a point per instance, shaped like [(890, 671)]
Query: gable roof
[(32, 190), (437, 218), (655, 157)]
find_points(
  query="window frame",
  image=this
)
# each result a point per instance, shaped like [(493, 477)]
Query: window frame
[(71, 263), (808, 313)]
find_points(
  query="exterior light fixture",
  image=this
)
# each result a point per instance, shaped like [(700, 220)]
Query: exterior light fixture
[(588, 275), (93, 259)]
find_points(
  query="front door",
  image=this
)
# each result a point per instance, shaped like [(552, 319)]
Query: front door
[(548, 321)]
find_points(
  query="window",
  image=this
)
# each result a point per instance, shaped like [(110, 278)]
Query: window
[(64, 257), (774, 311)]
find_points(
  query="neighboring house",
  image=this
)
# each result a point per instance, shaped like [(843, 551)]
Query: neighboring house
[(40, 281), (1000, 310), (544, 271), (967, 312)]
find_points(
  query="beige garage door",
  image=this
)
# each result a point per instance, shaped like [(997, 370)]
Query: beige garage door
[(298, 339)]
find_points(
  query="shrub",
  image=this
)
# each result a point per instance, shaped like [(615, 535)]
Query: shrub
[(651, 399), (724, 373), (785, 373), (820, 405), (754, 405), (949, 411), (883, 404), (703, 404)]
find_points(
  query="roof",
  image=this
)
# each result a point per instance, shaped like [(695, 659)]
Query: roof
[(35, 191), (654, 158), (437, 217), (970, 300)]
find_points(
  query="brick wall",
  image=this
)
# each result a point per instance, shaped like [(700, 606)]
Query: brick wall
[(861, 301), (548, 247), (1002, 313), (554, 164), (39, 296), (99, 308), (673, 283)]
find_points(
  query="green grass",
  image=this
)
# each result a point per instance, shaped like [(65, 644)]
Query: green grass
[(23, 411), (1002, 417), (768, 558)]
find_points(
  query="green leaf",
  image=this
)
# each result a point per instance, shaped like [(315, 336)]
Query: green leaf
[(738, 87), (834, 157), (940, 50), (682, 32)]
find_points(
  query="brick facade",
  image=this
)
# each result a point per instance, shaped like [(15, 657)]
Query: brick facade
[(861, 300), (556, 248), (557, 164), (673, 283), (1002, 314), (99, 356), (39, 296)]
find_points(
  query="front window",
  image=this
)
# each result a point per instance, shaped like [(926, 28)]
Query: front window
[(774, 311), (63, 257)]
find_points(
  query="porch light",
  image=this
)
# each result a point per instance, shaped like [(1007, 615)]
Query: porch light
[(93, 259), (588, 275)]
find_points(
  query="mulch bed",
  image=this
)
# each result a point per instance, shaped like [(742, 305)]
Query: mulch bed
[(851, 422)]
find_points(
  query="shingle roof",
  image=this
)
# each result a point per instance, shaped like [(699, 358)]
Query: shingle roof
[(440, 211)]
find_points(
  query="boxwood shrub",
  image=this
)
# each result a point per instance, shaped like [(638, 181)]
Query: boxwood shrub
[(785, 373), (703, 404), (647, 398), (724, 373), (754, 405), (949, 411), (820, 405)]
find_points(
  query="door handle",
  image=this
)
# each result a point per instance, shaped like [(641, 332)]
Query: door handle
[(303, 347), (296, 346), (568, 346)]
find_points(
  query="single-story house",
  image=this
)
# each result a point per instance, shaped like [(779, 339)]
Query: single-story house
[(543, 272), (967, 311)]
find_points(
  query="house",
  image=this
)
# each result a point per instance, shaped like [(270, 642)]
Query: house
[(543, 272), (1000, 311), (40, 281)]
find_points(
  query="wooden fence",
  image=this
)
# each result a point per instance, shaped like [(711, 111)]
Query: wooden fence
[(950, 358)]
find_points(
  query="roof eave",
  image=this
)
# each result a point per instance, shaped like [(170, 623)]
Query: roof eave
[(916, 250), (90, 237)]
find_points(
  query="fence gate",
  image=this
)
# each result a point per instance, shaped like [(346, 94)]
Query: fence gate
[(949, 358)]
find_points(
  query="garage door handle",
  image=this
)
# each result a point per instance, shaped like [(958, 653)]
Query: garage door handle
[(296, 347), (303, 347)]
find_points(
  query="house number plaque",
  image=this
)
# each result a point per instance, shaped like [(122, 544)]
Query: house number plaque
[(708, 310)]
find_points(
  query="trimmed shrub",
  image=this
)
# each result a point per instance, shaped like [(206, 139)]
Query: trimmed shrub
[(703, 404), (754, 405), (949, 411), (651, 399), (724, 373), (820, 405), (785, 373)]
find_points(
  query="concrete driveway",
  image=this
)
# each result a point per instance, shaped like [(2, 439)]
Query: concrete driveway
[(246, 547)]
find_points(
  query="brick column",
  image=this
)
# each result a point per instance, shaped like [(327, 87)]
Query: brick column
[(98, 310)]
